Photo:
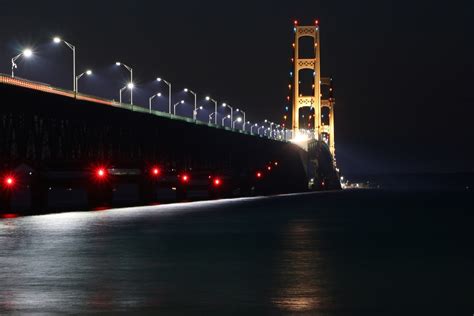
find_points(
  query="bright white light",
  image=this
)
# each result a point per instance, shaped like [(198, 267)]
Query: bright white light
[(300, 138), (158, 79), (186, 90), (208, 98), (239, 119), (159, 94), (118, 63), (89, 72), (56, 39), (266, 121), (130, 85), (27, 52), (228, 116), (224, 104), (182, 101), (256, 124)]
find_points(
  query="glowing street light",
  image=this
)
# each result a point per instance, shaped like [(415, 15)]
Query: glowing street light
[(195, 101), (27, 53), (239, 119), (225, 105), (210, 116), (128, 86), (258, 130), (87, 72), (131, 78), (215, 108), (251, 128), (58, 40), (158, 94), (174, 106), (225, 117), (243, 125), (169, 92)]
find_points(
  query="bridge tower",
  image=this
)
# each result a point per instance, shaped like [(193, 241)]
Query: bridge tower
[(315, 100)]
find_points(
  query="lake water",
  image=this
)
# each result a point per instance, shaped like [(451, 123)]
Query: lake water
[(359, 252)]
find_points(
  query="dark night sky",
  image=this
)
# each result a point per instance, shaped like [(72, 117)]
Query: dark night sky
[(403, 70)]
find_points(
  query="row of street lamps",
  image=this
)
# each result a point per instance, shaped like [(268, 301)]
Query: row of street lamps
[(276, 135)]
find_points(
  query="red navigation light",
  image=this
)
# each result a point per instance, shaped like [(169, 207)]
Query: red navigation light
[(155, 171), (316, 22), (259, 174), (295, 22), (184, 178), (9, 181), (101, 173), (217, 182)]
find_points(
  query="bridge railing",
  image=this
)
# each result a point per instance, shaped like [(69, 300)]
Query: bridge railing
[(39, 86)]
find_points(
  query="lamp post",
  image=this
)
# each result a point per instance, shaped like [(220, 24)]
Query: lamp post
[(169, 92), (158, 94), (87, 72), (210, 116), (128, 86), (231, 110), (26, 53), (258, 130), (195, 101), (239, 119), (174, 106), (243, 126), (58, 40), (131, 78), (215, 108), (225, 117), (251, 127)]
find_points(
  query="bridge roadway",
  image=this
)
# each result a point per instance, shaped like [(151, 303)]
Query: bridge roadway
[(58, 146)]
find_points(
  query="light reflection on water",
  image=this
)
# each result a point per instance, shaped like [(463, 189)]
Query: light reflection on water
[(298, 278), (313, 254)]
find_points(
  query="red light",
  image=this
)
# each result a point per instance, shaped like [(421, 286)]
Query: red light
[(269, 168), (295, 22), (259, 174), (155, 171), (217, 182), (9, 181), (316, 22), (101, 173), (184, 178), (9, 216)]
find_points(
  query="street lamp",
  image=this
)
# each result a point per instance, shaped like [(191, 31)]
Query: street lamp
[(131, 78), (258, 130), (231, 110), (215, 108), (251, 127), (169, 92), (151, 98), (26, 53), (195, 101), (58, 40), (210, 116), (87, 72), (239, 119), (174, 106), (243, 126), (128, 86), (225, 117)]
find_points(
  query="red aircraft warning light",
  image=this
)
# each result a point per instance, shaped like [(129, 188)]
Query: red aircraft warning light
[(155, 171), (269, 168), (9, 181), (101, 173), (259, 175), (184, 178), (217, 182)]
